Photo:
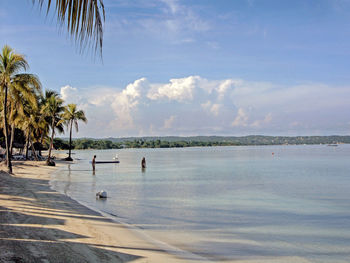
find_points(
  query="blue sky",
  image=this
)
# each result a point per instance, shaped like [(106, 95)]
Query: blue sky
[(198, 67)]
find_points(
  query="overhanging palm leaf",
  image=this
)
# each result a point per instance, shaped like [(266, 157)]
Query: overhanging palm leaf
[(83, 19)]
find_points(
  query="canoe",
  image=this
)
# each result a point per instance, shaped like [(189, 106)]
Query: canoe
[(115, 161)]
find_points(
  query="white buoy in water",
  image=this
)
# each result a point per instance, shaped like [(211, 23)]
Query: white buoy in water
[(101, 194)]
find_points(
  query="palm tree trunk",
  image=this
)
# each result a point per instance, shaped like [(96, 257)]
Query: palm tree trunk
[(27, 143), (52, 135), (41, 142), (8, 157), (12, 138), (33, 150), (70, 138), (25, 149)]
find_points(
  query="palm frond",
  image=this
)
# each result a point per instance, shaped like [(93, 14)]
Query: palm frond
[(83, 18)]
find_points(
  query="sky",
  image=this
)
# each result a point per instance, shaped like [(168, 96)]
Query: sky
[(197, 67)]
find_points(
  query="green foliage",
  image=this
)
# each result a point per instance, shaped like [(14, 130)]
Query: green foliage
[(60, 144), (95, 144), (205, 141)]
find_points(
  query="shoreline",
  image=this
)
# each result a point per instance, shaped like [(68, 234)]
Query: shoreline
[(166, 247), (41, 224)]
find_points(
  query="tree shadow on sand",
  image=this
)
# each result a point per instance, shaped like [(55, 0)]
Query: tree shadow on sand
[(30, 226)]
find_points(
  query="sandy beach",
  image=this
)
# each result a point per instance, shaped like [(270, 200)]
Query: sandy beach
[(39, 224)]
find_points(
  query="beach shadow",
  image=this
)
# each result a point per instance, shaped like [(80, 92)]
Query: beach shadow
[(30, 251), (31, 220)]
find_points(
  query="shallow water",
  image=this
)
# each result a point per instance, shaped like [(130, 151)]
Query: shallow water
[(226, 203)]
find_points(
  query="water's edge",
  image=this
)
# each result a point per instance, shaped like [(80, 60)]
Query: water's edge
[(184, 254)]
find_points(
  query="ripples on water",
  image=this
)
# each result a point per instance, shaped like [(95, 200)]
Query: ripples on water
[(227, 203)]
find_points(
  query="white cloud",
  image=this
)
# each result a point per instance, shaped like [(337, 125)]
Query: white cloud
[(69, 94), (206, 105), (184, 18), (125, 102), (178, 89), (224, 86), (175, 22), (259, 123), (172, 4), (168, 123), (213, 108), (241, 118), (195, 105)]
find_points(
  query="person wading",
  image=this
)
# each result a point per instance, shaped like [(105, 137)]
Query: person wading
[(143, 163), (93, 162)]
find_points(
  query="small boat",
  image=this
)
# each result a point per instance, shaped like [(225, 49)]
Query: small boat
[(334, 145), (113, 161)]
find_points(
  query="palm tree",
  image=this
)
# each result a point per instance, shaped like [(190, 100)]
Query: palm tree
[(24, 95), (44, 121), (30, 123), (11, 64), (53, 109), (72, 115), (83, 18)]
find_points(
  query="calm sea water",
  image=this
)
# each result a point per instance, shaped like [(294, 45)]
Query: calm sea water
[(226, 203)]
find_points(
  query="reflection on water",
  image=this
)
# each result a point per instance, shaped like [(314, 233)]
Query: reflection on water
[(68, 181), (228, 202), (93, 182)]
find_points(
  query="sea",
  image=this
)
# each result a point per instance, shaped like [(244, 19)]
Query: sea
[(283, 203)]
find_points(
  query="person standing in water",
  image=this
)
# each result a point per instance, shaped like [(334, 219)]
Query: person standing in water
[(143, 163), (93, 162)]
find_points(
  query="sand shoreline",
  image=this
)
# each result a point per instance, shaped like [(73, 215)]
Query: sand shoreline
[(39, 224), (166, 247)]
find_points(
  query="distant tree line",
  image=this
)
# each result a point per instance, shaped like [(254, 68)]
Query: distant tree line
[(203, 141), (80, 144)]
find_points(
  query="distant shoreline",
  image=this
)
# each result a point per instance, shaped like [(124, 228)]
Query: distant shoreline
[(197, 141)]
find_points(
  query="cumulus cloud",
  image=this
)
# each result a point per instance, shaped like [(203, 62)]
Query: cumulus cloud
[(241, 118), (178, 89), (69, 94), (206, 105), (125, 102), (168, 123), (194, 105), (266, 120), (212, 108), (224, 86)]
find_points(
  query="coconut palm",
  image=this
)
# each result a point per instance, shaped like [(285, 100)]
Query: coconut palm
[(72, 115), (11, 64), (82, 17), (23, 95), (30, 124), (53, 109), (44, 121)]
